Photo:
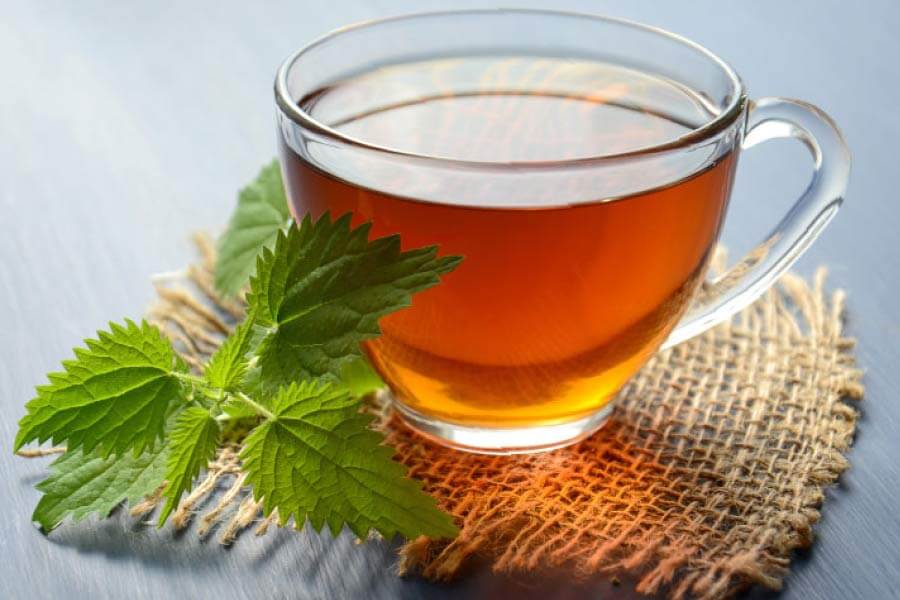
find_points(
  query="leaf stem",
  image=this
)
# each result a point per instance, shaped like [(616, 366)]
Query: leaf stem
[(200, 392), (260, 409), (191, 379)]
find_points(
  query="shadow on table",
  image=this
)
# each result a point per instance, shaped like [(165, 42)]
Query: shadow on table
[(305, 561)]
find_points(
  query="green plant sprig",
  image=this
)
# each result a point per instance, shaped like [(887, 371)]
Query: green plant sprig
[(134, 418)]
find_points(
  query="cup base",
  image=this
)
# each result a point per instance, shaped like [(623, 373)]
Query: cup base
[(502, 440)]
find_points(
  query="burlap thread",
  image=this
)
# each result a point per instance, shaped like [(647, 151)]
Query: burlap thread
[(710, 473)]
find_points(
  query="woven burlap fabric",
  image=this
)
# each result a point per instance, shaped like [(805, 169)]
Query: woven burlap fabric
[(710, 472)]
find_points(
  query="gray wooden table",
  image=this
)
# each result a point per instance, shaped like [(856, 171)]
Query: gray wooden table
[(125, 126)]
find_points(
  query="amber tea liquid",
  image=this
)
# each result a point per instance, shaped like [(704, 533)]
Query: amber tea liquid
[(554, 306)]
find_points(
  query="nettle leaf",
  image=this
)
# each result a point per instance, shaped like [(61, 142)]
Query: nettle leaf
[(192, 444), (251, 385), (317, 459), (81, 484), (322, 290), (115, 395), (262, 212), (358, 378), (228, 365)]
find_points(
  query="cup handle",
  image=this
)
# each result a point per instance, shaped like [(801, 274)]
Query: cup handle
[(768, 119)]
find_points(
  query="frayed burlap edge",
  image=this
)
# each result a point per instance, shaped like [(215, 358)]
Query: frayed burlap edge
[(710, 474)]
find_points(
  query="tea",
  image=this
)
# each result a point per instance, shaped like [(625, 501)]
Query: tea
[(555, 305)]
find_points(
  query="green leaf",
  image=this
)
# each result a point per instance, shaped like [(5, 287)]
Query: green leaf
[(251, 384), (192, 444), (262, 212), (358, 378), (81, 484), (322, 290), (114, 396), (318, 459), (227, 367)]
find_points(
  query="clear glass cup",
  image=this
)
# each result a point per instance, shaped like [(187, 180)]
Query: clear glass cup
[(581, 260)]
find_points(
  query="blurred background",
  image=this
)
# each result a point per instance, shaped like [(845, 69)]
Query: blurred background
[(126, 126)]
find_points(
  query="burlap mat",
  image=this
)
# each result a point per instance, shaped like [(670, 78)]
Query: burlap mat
[(709, 474)]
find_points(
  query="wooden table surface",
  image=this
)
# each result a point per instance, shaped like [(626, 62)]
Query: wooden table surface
[(126, 126)]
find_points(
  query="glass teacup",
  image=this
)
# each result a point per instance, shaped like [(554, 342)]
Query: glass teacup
[(582, 166)]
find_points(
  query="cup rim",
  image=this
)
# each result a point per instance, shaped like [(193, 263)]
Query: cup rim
[(709, 129)]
